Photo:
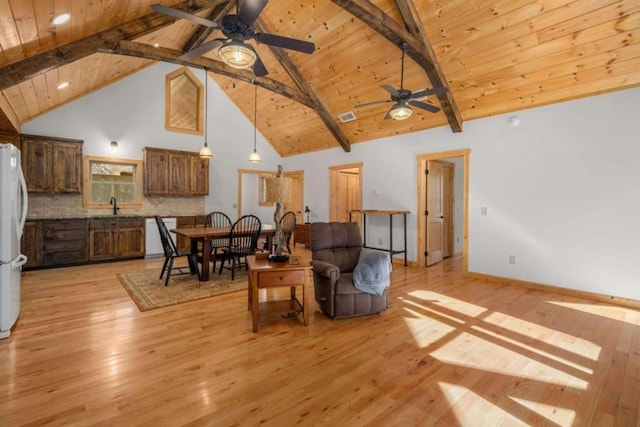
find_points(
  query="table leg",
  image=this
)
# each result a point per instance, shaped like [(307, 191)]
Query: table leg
[(305, 298), (254, 303), (206, 257)]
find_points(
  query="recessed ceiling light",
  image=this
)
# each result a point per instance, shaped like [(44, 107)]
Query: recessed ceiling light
[(156, 45), (63, 85), (61, 18)]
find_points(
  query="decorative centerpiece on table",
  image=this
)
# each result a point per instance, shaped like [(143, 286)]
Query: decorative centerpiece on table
[(278, 191)]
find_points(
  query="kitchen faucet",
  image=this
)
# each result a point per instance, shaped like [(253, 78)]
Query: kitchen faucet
[(112, 201)]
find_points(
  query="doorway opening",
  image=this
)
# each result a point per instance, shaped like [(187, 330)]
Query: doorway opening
[(442, 228), (345, 191), (250, 194)]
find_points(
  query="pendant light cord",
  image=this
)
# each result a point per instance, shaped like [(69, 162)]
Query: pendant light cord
[(206, 104), (255, 114), (402, 69)]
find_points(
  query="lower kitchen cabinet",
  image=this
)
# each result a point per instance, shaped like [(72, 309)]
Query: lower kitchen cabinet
[(59, 242), (65, 241), (31, 243), (103, 235), (116, 238), (130, 238)]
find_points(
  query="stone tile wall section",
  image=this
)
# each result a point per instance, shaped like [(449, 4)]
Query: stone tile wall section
[(70, 205)]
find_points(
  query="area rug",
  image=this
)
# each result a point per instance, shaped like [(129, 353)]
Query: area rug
[(149, 292)]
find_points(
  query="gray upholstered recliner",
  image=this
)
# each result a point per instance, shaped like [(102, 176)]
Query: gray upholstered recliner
[(335, 250)]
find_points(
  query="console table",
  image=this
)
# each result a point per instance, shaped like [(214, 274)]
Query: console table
[(364, 214)]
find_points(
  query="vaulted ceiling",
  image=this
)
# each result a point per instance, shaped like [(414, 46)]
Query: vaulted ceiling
[(494, 57)]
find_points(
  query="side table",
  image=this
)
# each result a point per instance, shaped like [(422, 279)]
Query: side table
[(265, 274)]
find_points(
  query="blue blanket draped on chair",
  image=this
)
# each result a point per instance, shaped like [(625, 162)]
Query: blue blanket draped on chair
[(372, 274)]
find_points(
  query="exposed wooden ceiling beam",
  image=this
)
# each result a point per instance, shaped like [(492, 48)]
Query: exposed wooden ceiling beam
[(375, 17), (8, 119), (28, 68), (302, 83), (142, 50), (201, 33)]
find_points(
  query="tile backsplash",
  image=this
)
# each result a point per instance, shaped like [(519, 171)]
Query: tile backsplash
[(61, 205)]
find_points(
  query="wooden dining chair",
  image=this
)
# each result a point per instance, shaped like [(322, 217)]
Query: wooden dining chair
[(171, 253), (287, 225), (218, 219), (243, 241)]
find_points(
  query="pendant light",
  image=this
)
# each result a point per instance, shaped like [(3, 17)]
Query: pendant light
[(205, 151), (255, 157)]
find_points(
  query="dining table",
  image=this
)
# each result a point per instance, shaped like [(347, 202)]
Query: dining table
[(206, 234)]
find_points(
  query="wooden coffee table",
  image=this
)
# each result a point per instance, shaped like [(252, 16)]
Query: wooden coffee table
[(265, 274)]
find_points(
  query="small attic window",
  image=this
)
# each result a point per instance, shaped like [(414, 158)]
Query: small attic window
[(184, 100)]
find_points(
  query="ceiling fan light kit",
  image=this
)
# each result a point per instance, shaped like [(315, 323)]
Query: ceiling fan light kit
[(237, 29), (400, 112), (237, 54), (404, 99)]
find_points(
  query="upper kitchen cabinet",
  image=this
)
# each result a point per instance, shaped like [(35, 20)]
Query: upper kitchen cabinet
[(175, 173), (52, 165), (10, 138), (156, 172), (199, 175)]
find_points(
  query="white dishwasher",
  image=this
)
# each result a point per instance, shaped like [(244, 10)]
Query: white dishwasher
[(152, 242)]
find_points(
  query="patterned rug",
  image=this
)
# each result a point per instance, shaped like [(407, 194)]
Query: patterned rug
[(149, 292)]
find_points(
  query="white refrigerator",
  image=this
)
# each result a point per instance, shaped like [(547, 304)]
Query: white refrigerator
[(13, 214)]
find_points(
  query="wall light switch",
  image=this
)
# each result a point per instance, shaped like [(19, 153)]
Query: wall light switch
[(512, 259), (483, 211)]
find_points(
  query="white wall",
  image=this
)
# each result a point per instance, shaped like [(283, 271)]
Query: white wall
[(562, 191), (131, 112)]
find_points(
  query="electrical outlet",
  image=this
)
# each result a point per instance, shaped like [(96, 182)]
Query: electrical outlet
[(512, 259), (483, 211)]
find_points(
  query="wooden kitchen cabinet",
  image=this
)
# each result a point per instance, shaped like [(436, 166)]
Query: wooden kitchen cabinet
[(103, 236), (130, 238), (179, 179), (52, 164), (156, 172), (199, 175), (175, 173), (10, 138), (31, 243), (65, 241), (116, 238)]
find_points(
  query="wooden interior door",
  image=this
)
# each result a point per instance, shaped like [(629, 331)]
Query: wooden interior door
[(448, 173), (297, 195), (434, 213), (345, 192)]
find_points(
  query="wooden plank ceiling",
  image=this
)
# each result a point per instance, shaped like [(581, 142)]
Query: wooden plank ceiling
[(494, 56)]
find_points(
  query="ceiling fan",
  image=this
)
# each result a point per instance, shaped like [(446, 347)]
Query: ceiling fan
[(237, 29), (404, 99)]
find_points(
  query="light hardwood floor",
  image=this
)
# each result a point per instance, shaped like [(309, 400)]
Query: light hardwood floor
[(448, 351)]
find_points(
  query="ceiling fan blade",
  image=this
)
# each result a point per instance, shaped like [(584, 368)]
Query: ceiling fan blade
[(368, 104), (258, 67), (388, 115), (249, 11), (423, 105), (202, 49), (391, 90), (285, 42), (427, 92), (165, 10)]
